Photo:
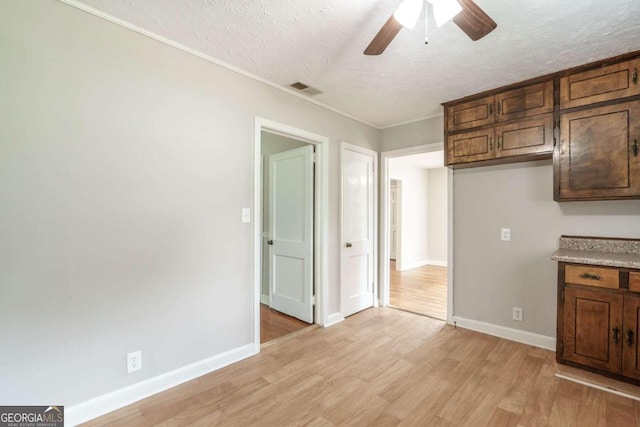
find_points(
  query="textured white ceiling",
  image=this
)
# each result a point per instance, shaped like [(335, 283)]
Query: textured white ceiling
[(320, 43)]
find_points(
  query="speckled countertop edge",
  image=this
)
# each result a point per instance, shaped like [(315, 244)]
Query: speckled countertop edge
[(623, 253), (609, 259)]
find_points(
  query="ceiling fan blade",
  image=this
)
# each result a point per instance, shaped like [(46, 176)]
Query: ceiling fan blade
[(473, 20), (389, 30)]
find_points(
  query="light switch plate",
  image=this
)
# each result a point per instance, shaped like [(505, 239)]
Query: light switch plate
[(246, 215), (505, 234)]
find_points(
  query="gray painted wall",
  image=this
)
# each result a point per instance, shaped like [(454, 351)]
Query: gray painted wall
[(124, 165), (411, 135), (492, 276)]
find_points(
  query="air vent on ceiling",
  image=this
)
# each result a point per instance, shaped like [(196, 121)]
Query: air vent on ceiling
[(309, 90)]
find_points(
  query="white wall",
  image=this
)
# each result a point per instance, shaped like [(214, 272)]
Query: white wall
[(124, 165), (271, 144), (413, 213), (437, 216), (492, 276)]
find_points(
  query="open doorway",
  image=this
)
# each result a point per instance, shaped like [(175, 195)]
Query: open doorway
[(285, 297), (415, 232), (289, 230)]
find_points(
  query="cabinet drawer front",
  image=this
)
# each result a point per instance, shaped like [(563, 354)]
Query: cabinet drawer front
[(602, 84), (597, 155), (533, 136), (470, 146), (634, 282), (592, 276), (471, 114), (525, 102)]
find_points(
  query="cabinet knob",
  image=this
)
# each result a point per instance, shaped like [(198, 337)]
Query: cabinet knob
[(499, 141), (634, 76), (348, 244), (634, 147), (630, 337), (269, 242), (616, 335)]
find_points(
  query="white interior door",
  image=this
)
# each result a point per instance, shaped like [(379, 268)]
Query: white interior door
[(291, 232), (393, 223), (358, 204)]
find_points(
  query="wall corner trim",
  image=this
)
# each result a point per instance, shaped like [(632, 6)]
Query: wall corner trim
[(332, 319), (524, 337), (117, 399), (264, 299)]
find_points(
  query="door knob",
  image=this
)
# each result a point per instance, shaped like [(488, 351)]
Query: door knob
[(269, 242), (349, 244)]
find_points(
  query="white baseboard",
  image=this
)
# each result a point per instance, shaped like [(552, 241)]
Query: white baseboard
[(117, 399), (412, 265), (332, 319), (437, 263), (517, 335), (264, 299)]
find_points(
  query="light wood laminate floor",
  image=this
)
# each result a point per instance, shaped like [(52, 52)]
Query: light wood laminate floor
[(421, 290), (274, 324), (384, 367)]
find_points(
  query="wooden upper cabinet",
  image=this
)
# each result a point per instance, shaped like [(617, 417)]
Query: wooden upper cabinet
[(601, 84), (533, 136), (593, 328), (525, 101), (471, 114), (630, 359), (599, 156), (470, 146)]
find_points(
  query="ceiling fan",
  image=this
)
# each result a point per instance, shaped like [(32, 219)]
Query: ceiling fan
[(465, 13)]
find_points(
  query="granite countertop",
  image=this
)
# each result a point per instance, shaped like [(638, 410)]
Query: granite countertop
[(593, 251)]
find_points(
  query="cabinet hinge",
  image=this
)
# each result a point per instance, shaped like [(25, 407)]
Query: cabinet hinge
[(554, 142)]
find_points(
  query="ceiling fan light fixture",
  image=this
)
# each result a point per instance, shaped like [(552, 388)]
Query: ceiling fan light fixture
[(408, 13), (445, 10)]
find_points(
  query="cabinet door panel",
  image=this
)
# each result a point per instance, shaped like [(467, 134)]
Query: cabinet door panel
[(470, 146), (630, 362), (525, 102), (602, 84), (471, 114), (597, 156), (634, 282), (525, 137), (589, 321)]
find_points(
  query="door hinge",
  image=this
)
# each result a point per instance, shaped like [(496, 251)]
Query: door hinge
[(313, 158), (313, 300), (373, 167)]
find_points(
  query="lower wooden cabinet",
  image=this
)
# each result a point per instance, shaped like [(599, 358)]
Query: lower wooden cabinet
[(598, 325), (593, 328)]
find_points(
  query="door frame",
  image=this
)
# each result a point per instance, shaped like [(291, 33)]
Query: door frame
[(374, 154), (321, 218), (384, 222)]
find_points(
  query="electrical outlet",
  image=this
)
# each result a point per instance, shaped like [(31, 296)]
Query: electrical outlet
[(505, 234), (517, 313), (134, 361)]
